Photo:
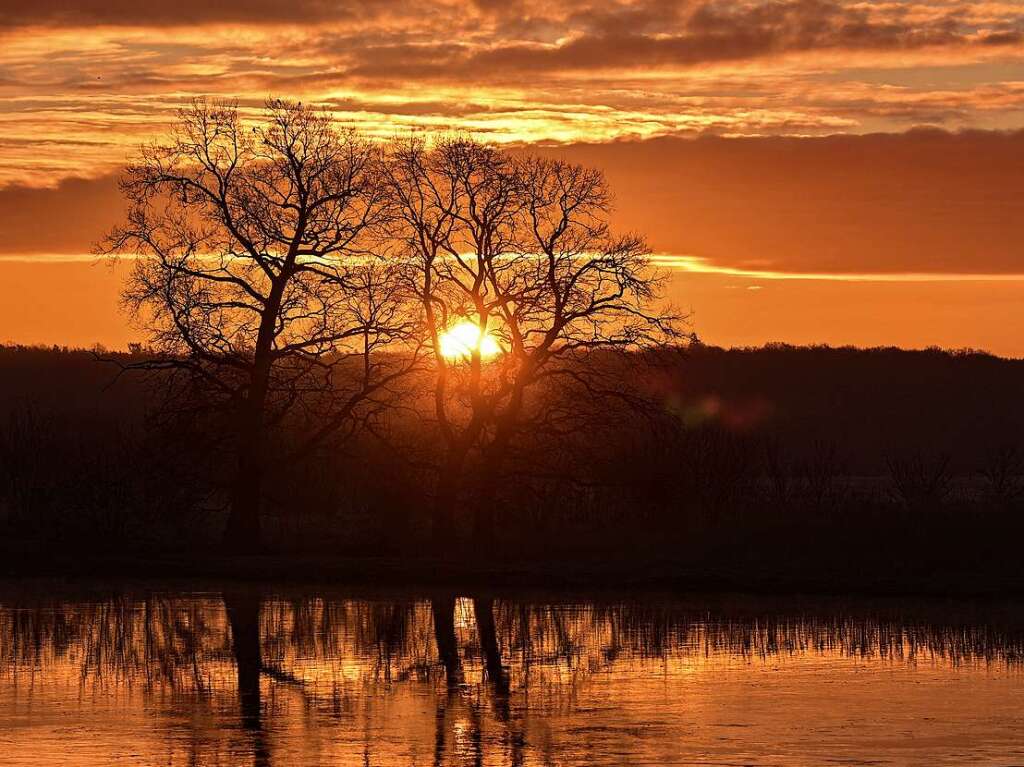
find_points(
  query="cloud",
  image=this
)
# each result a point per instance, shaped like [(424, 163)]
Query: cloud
[(923, 202), (450, 39), (82, 84), (64, 220), (648, 35), (925, 205), (181, 12)]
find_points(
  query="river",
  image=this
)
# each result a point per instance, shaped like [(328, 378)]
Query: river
[(187, 674)]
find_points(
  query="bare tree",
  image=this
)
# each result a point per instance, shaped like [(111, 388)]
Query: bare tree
[(519, 251), (260, 277)]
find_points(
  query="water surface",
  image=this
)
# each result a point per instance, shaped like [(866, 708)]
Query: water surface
[(272, 676)]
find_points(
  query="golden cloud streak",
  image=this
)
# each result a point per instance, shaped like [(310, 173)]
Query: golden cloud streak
[(698, 265), (673, 262)]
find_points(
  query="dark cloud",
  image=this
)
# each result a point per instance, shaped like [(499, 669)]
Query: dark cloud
[(663, 34), (174, 12), (443, 39), (923, 201), (66, 219)]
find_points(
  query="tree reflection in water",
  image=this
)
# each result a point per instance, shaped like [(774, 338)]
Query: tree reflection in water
[(298, 671), (243, 613)]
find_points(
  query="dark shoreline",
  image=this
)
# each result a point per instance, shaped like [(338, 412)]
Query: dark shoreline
[(568, 576)]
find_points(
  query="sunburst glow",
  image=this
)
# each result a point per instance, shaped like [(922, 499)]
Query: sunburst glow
[(461, 340)]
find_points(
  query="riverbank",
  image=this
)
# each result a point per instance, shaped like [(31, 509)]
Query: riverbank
[(994, 579)]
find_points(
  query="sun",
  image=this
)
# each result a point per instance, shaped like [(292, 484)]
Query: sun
[(461, 340)]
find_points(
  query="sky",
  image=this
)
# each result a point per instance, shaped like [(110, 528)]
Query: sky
[(807, 171)]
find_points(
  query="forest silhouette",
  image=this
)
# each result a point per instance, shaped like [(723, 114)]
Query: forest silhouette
[(751, 467)]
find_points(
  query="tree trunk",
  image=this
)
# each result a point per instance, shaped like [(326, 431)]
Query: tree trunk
[(444, 536), (243, 534), (483, 523), (488, 493), (442, 521)]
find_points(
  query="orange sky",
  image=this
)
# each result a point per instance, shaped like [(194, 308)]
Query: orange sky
[(811, 170)]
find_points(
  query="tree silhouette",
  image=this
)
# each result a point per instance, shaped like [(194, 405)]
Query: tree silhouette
[(260, 278), (521, 248)]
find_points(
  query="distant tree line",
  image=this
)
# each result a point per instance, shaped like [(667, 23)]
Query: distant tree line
[(753, 460)]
